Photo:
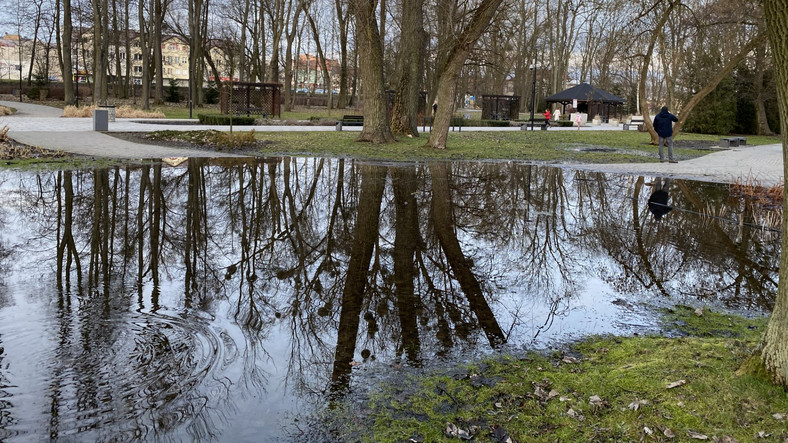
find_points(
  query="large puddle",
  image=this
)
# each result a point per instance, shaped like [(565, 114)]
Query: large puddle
[(226, 300)]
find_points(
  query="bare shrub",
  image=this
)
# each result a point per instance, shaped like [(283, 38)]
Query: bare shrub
[(5, 110), (123, 111)]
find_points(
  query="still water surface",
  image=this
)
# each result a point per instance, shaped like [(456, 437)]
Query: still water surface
[(225, 300)]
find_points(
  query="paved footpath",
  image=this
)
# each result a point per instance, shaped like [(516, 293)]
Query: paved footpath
[(43, 126)]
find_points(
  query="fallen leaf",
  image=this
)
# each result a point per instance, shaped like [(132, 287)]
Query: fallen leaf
[(570, 360), (563, 399), (699, 312), (540, 393), (668, 433), (697, 436), (594, 399), (724, 439), (676, 384), (576, 415), (648, 430), (779, 416), (763, 434), (354, 363), (552, 394), (635, 405)]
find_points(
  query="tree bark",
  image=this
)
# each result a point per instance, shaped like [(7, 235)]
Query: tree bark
[(66, 68), (404, 114), (376, 125), (447, 83), (775, 342)]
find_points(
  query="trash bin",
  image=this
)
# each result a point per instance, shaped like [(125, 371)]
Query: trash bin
[(100, 120)]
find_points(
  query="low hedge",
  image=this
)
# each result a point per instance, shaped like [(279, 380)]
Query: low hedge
[(222, 119)]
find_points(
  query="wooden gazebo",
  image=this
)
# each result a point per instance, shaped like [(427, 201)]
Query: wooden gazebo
[(590, 100)]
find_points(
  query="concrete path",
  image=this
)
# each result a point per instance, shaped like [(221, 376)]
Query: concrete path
[(43, 126)]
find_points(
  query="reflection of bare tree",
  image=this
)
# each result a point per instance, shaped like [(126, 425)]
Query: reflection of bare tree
[(749, 277), (443, 224), (364, 239), (404, 187), (66, 247), (687, 253)]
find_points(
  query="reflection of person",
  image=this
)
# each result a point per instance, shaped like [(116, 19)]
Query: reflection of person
[(663, 124), (658, 200)]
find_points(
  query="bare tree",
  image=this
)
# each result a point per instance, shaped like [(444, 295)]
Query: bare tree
[(775, 342)]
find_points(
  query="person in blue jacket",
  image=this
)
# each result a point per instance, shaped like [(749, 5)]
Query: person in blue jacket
[(663, 124)]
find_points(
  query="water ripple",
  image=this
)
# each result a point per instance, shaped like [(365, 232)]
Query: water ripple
[(132, 376)]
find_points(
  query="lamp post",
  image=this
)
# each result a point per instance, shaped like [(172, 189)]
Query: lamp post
[(76, 76), (533, 94)]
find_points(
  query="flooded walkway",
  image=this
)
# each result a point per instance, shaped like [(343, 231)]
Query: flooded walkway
[(225, 300)]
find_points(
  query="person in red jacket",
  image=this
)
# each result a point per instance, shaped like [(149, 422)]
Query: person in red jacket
[(547, 117)]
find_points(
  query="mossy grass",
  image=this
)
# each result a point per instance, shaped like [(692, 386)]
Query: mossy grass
[(544, 146), (600, 389)]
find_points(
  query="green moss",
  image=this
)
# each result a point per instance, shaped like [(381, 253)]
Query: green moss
[(551, 397)]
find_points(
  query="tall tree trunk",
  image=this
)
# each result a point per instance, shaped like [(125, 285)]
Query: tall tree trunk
[(775, 342), (158, 21), (447, 83), (376, 125), (145, 51), (647, 62), (65, 50), (342, 25), (758, 93), (404, 114)]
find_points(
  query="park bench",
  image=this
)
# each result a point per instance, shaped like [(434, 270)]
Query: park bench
[(635, 121), (350, 120), (251, 110), (732, 142)]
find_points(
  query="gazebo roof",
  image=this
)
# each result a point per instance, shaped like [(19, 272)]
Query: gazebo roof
[(584, 92)]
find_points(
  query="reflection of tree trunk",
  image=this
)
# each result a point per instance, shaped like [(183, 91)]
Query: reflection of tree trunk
[(443, 223), (366, 233), (66, 245), (196, 225), (157, 209), (405, 242), (144, 185), (641, 248)]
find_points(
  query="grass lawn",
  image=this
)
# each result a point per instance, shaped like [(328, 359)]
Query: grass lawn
[(549, 146), (600, 389)]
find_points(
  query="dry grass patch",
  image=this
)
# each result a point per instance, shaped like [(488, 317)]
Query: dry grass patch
[(4, 110), (123, 111), (9, 150)]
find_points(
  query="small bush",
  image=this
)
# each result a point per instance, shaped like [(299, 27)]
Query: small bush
[(221, 119), (211, 94), (5, 110), (173, 93), (236, 140)]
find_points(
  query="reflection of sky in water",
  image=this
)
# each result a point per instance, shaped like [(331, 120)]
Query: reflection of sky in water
[(557, 254)]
